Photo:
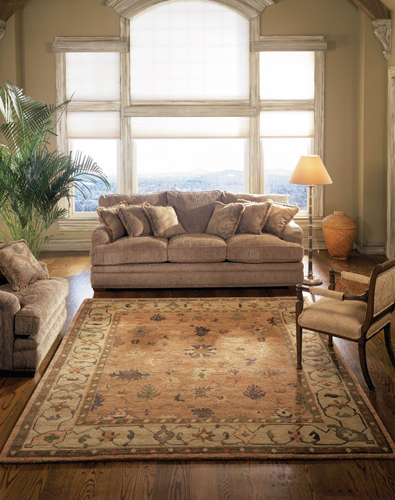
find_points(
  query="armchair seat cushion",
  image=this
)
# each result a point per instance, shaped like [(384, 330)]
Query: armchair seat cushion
[(197, 248), (341, 318), (39, 302)]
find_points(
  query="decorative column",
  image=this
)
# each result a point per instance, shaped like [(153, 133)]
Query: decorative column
[(3, 24), (382, 31)]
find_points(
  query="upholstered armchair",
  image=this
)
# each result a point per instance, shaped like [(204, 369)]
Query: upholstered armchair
[(31, 321), (357, 318)]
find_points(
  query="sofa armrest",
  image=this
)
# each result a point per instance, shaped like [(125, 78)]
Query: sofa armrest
[(100, 236), (293, 233), (9, 306)]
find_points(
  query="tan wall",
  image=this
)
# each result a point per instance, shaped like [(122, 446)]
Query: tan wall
[(355, 153), (372, 137), (345, 77)]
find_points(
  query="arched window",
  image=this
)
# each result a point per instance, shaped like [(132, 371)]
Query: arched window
[(190, 97)]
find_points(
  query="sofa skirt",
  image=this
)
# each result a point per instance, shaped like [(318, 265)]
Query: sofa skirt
[(198, 275)]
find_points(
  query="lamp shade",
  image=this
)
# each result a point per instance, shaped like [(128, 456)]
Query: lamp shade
[(310, 171)]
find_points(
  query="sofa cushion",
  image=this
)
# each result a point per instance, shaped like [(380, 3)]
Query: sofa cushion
[(39, 302), (198, 247), (19, 265), (135, 219), (110, 218), (225, 219), (193, 209), (254, 249), (144, 249), (228, 197), (279, 217), (253, 217), (164, 221), (108, 200)]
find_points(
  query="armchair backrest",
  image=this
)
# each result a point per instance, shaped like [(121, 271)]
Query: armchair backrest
[(381, 297)]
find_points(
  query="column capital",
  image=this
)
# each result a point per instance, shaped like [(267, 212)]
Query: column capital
[(382, 30)]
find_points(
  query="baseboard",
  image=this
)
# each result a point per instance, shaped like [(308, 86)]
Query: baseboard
[(370, 247), (68, 245), (363, 247)]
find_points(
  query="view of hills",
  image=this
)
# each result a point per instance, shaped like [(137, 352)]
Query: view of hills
[(199, 180)]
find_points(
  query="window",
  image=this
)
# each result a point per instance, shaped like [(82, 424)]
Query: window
[(176, 103), (287, 119)]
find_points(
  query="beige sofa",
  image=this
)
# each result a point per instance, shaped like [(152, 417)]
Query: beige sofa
[(195, 259)]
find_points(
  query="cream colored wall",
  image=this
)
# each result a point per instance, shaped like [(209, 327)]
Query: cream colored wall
[(355, 155)]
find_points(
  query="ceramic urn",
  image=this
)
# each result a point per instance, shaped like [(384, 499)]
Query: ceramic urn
[(339, 233)]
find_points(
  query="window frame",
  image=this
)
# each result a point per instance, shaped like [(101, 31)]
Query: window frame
[(127, 175)]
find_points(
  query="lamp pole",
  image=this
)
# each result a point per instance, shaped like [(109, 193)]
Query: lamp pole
[(310, 279)]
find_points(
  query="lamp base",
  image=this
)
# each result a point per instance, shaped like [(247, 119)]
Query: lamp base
[(312, 281)]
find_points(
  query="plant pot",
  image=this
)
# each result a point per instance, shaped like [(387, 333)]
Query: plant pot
[(339, 233)]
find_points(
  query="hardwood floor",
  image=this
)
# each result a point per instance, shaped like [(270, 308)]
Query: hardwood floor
[(272, 480)]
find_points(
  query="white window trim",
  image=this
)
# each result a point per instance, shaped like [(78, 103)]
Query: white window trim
[(127, 177)]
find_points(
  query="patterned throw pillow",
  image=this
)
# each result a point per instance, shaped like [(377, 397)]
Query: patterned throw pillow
[(19, 265), (135, 219), (225, 219), (164, 221), (279, 217), (110, 218), (253, 217)]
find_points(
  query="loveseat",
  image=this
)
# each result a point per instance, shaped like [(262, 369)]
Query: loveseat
[(192, 256)]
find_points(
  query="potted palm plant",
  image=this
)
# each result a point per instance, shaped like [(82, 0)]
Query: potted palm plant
[(33, 177)]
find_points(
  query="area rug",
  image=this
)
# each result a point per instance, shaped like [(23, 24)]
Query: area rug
[(194, 379)]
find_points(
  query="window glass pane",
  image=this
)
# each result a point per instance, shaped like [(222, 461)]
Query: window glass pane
[(105, 152), (93, 76), (93, 124), (190, 164), (287, 123), (279, 158), (189, 50), (287, 75), (190, 127)]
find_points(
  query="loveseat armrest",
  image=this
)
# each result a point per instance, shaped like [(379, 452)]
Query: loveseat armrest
[(100, 236), (293, 233), (9, 306)]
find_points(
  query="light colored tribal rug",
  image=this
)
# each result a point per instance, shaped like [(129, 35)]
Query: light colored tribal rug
[(194, 378)]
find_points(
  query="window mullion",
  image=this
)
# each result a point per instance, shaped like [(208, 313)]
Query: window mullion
[(255, 181), (127, 177), (318, 192), (288, 105), (195, 110)]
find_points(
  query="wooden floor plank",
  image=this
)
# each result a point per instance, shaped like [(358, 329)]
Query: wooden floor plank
[(271, 480)]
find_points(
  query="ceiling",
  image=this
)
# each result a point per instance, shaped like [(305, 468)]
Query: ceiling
[(374, 9)]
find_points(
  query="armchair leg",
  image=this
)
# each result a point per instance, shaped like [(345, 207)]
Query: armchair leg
[(330, 340), (298, 346), (387, 336), (364, 366)]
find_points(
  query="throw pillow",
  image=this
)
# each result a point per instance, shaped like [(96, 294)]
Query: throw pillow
[(279, 217), (19, 265), (135, 219), (225, 219), (164, 221), (110, 218), (253, 217)]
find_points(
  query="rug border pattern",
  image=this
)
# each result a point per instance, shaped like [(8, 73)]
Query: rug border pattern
[(188, 454)]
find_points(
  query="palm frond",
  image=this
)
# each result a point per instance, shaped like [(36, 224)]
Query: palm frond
[(33, 179)]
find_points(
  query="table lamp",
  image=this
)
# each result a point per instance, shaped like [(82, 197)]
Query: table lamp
[(310, 171)]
